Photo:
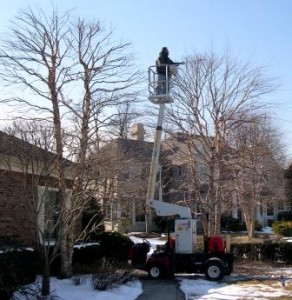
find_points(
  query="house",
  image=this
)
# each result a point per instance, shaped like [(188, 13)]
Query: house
[(28, 192), (273, 199), (123, 193), (131, 158), (180, 186)]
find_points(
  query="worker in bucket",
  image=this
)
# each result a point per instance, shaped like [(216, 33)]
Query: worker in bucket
[(165, 67)]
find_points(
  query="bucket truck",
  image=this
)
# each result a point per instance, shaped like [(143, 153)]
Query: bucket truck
[(180, 253)]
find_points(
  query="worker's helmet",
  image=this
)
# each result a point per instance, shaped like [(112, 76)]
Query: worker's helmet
[(164, 51)]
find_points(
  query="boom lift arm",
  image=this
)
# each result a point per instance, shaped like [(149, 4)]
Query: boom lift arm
[(161, 208), (180, 253), (165, 209)]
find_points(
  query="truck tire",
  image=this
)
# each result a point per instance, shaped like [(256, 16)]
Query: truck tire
[(214, 270), (155, 271)]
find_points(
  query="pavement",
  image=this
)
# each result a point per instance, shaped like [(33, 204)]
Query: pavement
[(167, 289)]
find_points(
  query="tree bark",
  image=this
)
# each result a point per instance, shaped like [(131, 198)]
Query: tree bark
[(46, 277)]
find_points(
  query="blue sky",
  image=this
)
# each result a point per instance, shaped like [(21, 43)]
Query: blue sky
[(255, 30)]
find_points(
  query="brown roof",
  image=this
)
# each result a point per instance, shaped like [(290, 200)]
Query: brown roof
[(130, 149), (135, 149), (13, 146)]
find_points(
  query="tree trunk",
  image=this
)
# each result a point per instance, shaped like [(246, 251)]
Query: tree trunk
[(46, 278), (205, 223), (250, 223), (66, 249), (65, 244)]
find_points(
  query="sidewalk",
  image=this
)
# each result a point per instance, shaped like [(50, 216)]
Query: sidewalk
[(161, 290)]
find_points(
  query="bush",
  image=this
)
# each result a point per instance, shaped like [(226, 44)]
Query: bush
[(32, 292), (111, 245), (245, 250), (17, 267), (231, 224), (285, 216), (283, 228), (86, 255), (86, 259), (109, 275), (256, 251), (114, 246), (92, 218), (258, 226)]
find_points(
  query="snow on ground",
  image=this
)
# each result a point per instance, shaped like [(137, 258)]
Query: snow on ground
[(259, 284), (234, 287), (266, 230), (240, 286), (66, 290), (203, 289)]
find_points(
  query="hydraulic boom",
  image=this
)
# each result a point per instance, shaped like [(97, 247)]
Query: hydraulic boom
[(161, 208)]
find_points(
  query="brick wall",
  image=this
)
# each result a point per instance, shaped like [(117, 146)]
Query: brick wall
[(18, 191), (15, 222)]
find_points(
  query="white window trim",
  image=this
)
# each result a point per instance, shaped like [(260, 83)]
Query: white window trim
[(41, 210)]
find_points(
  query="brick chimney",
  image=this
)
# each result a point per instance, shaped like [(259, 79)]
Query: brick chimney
[(138, 132)]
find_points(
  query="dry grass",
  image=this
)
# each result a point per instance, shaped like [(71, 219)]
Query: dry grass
[(264, 276), (265, 285)]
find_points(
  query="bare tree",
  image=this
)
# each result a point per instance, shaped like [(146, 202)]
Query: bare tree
[(34, 153), (288, 184), (38, 171), (213, 93), (51, 61), (107, 76), (124, 118), (258, 168), (33, 58)]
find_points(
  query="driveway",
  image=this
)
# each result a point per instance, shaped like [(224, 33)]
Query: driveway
[(166, 289)]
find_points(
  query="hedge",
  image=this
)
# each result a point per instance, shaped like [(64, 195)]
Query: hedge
[(270, 251), (285, 216), (17, 267), (113, 246)]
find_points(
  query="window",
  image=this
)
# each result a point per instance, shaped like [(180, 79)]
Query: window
[(179, 171), (48, 216), (51, 214), (139, 211), (270, 209), (125, 209), (281, 204)]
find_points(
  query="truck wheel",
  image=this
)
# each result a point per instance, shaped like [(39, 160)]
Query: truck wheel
[(214, 271), (155, 272)]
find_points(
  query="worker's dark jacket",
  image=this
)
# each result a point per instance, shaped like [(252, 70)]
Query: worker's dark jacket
[(161, 62)]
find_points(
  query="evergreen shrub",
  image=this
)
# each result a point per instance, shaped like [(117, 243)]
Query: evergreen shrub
[(285, 216), (283, 228), (113, 246), (17, 267), (231, 224)]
